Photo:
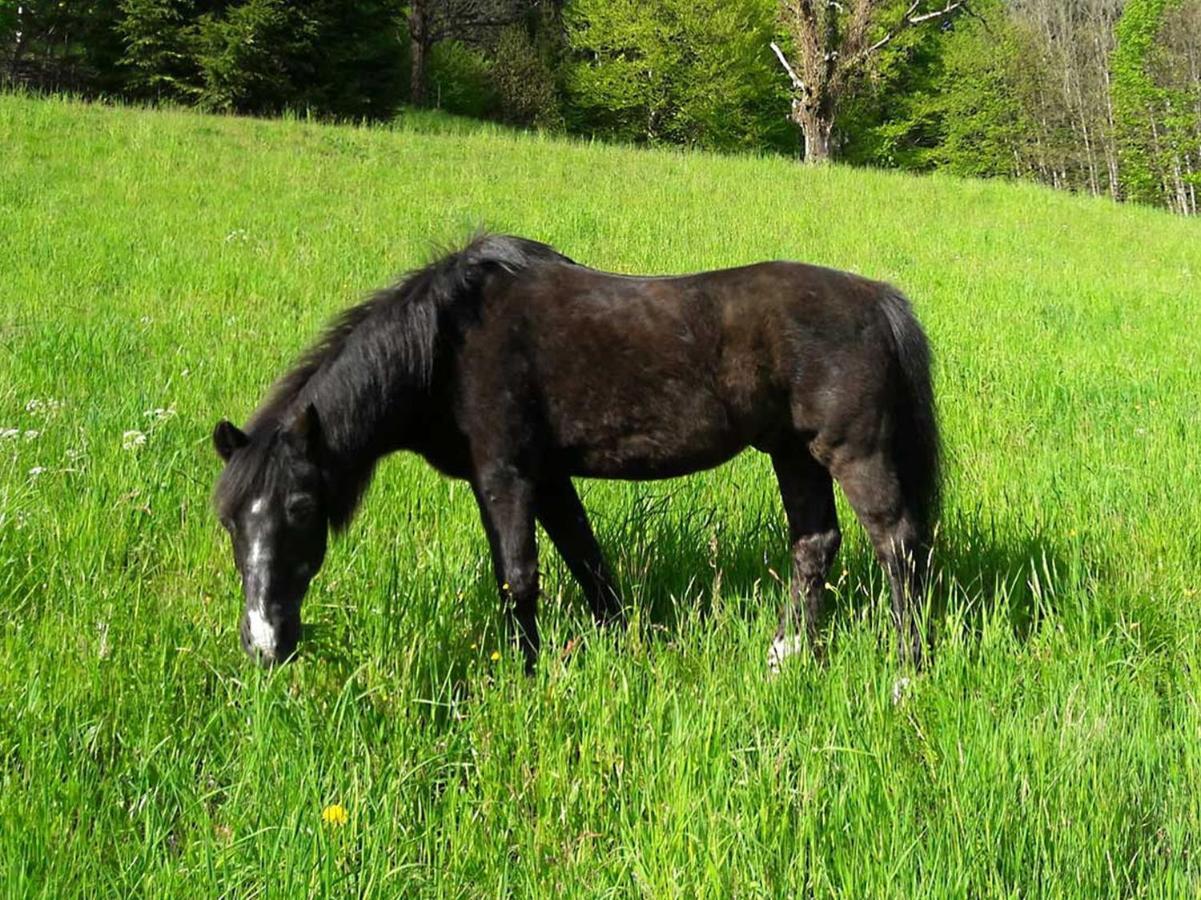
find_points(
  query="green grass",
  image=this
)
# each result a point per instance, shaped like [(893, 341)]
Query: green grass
[(168, 261)]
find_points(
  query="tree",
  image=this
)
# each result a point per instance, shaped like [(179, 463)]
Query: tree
[(433, 21), (256, 57), (675, 71), (60, 45), (1175, 68), (358, 69), (331, 57), (1137, 98), (978, 105), (832, 46), (158, 54), (525, 81), (1157, 95), (1071, 44)]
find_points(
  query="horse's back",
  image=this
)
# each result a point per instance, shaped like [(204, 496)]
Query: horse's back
[(654, 377)]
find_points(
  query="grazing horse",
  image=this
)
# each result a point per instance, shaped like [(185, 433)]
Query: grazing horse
[(510, 366)]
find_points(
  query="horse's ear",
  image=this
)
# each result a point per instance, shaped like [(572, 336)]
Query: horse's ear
[(227, 438), (306, 428)]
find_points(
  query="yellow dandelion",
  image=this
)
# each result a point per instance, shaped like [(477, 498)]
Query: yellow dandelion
[(335, 815), (505, 586), (495, 655)]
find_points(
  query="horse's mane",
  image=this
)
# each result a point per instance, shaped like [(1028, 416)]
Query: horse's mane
[(394, 334), (409, 311)]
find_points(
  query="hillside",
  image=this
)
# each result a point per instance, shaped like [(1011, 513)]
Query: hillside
[(160, 268)]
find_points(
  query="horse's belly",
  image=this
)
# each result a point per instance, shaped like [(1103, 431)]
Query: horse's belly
[(632, 463), (643, 440)]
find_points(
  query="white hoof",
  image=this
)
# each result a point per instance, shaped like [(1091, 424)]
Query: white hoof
[(782, 648)]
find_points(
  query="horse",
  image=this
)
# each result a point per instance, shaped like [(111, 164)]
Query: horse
[(507, 364)]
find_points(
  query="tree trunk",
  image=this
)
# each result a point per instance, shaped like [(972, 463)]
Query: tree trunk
[(419, 51), (816, 128), (1111, 142)]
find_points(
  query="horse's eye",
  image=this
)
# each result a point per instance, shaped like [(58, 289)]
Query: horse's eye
[(301, 508)]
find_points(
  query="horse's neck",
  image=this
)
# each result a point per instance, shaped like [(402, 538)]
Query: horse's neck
[(362, 420)]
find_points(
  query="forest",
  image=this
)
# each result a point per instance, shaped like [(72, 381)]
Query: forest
[(1094, 96)]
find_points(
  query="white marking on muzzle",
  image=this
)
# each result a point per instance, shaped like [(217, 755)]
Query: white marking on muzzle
[(258, 562), (262, 634)]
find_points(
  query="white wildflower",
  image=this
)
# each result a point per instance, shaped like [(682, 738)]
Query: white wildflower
[(132, 439), (8, 434), (32, 434), (41, 406), (37, 470), (160, 414)]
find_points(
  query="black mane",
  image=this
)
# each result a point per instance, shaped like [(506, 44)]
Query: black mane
[(395, 330), (407, 312)]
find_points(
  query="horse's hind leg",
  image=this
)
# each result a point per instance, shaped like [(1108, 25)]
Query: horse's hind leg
[(873, 489), (808, 494), (558, 508)]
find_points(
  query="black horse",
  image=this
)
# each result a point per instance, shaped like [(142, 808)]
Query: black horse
[(510, 366)]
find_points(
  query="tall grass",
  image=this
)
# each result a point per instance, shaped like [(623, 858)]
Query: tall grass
[(157, 270)]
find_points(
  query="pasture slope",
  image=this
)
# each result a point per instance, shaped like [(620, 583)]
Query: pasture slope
[(157, 269)]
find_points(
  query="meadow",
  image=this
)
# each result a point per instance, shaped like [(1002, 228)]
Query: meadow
[(158, 269)]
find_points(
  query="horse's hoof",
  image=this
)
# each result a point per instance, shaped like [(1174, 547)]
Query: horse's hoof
[(782, 648)]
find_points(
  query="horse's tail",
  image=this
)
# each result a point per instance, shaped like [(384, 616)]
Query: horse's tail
[(916, 444)]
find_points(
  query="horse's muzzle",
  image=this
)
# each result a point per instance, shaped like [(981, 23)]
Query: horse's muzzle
[(269, 641)]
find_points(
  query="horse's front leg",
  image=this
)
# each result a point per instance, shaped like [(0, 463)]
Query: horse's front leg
[(506, 500)]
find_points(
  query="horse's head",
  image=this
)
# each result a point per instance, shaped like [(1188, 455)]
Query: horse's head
[(270, 498)]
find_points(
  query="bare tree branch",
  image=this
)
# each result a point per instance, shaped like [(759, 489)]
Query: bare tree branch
[(908, 21), (937, 14), (796, 81)]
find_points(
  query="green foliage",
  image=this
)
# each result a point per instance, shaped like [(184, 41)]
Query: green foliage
[(8, 21), (360, 66), (676, 71), (460, 80), (257, 57), (885, 121), (525, 82), (973, 107), (331, 57), (159, 38), (1137, 99), (1157, 98), (64, 44)]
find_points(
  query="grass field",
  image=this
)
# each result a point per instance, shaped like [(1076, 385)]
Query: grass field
[(158, 269)]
